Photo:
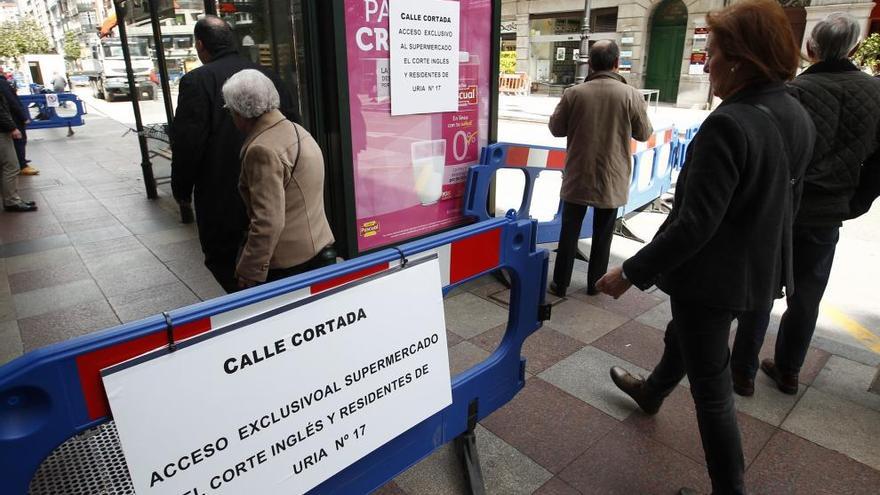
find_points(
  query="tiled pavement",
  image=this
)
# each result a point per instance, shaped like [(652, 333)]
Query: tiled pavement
[(97, 254)]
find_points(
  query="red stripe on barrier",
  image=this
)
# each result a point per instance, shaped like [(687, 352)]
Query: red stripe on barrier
[(517, 156), (474, 255), (329, 284), (556, 159), (90, 365)]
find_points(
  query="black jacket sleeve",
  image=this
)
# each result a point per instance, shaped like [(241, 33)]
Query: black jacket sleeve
[(192, 124), (869, 186), (713, 174), (6, 122)]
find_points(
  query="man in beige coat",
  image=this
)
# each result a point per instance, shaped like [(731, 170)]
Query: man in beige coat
[(282, 184), (599, 117)]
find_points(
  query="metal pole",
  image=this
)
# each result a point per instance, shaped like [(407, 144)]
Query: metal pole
[(583, 68), (160, 60), (146, 166)]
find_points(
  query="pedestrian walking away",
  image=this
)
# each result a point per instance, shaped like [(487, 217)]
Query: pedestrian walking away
[(840, 183), (282, 184), (599, 118), (205, 164), (726, 246)]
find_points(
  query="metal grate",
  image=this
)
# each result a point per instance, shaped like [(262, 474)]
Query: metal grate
[(91, 463)]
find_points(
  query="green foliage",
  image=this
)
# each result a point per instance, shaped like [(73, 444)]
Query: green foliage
[(72, 49), (868, 53), (21, 37), (508, 62)]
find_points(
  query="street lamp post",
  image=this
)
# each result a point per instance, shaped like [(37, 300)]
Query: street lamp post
[(584, 55)]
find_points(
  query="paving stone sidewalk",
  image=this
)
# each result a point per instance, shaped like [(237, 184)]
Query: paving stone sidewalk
[(98, 253)]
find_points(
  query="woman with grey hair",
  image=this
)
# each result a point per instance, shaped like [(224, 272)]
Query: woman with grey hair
[(282, 184)]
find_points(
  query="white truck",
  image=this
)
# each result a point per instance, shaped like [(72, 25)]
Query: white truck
[(107, 74)]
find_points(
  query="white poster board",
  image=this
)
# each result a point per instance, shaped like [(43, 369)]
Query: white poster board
[(51, 100), (281, 402), (424, 56)]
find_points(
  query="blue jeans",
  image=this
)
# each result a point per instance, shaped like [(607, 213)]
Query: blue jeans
[(696, 346), (813, 256)]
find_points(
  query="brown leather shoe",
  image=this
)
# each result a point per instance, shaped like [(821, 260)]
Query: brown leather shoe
[(743, 384), (787, 383), (635, 388)]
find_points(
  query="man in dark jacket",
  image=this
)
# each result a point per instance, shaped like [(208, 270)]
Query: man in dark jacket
[(841, 182), (12, 202), (206, 147), (22, 118)]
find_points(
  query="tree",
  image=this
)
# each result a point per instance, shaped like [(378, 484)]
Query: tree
[(868, 53), (24, 36), (72, 49)]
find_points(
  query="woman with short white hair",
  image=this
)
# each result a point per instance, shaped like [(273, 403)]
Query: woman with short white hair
[(282, 184)]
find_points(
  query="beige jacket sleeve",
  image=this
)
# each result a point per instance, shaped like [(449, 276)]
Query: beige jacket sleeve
[(641, 124), (559, 120), (263, 175)]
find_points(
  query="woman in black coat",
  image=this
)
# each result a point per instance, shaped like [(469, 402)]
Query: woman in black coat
[(726, 246)]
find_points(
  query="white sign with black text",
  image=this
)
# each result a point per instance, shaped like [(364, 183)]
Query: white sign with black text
[(282, 401), (424, 56)]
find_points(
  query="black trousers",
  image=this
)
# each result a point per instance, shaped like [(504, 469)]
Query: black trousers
[(696, 346), (603, 231), (20, 146), (813, 256)]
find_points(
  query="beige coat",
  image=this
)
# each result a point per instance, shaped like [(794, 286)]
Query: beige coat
[(285, 205), (599, 117)]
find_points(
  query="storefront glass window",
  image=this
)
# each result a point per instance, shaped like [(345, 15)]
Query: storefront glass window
[(270, 33)]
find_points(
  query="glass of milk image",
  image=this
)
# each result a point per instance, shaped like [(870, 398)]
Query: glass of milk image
[(428, 161)]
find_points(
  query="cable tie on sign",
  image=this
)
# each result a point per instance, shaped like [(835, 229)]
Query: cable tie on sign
[(403, 260), (169, 332)]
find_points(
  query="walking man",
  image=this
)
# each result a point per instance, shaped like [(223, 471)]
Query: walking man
[(599, 117), (205, 162), (12, 202), (841, 182), (21, 118)]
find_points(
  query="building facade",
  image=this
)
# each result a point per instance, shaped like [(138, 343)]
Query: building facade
[(662, 42)]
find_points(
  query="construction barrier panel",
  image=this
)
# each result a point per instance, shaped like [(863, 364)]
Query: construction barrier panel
[(52, 110), (57, 434), (653, 163)]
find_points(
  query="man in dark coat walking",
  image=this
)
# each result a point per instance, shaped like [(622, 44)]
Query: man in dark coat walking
[(841, 182), (205, 162)]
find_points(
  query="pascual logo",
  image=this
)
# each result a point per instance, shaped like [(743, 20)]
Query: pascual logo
[(369, 229), (467, 96)]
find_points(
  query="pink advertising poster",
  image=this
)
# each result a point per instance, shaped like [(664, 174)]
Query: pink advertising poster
[(410, 170)]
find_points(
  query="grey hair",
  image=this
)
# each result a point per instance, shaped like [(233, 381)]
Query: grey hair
[(250, 94), (834, 36)]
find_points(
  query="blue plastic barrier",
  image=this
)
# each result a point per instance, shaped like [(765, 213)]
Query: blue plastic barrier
[(651, 177), (47, 117), (51, 394), (685, 136)]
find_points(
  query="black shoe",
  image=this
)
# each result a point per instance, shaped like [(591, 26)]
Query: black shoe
[(21, 207), (558, 291), (635, 388), (591, 291), (30, 203), (743, 384), (788, 384)]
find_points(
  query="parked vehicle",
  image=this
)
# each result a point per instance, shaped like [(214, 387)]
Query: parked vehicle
[(107, 74)]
